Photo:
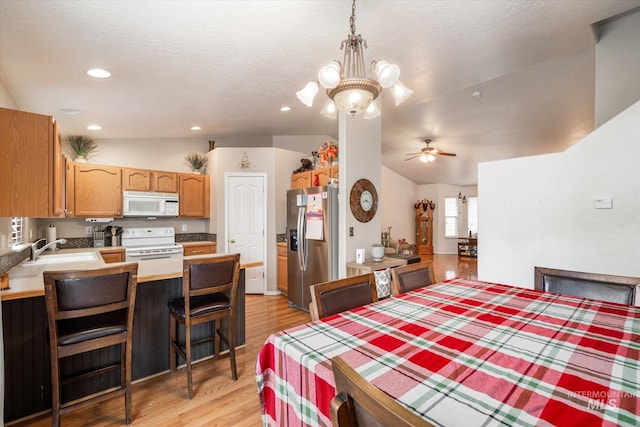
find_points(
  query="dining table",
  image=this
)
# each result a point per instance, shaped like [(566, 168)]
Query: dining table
[(465, 353)]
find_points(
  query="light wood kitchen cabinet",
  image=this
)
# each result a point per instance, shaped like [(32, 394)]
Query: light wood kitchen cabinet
[(149, 180), (28, 164), (314, 178), (94, 190), (301, 180), (112, 255), (165, 182), (136, 179), (199, 248), (194, 195), (59, 175), (282, 268)]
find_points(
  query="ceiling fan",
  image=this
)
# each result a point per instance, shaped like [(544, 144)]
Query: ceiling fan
[(428, 154)]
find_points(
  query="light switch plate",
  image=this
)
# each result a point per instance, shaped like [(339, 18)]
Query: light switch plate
[(603, 203)]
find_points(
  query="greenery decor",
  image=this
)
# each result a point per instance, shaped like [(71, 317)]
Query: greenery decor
[(196, 161), (82, 146)]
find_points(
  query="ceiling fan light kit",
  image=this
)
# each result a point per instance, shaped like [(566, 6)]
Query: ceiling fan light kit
[(349, 85), (427, 154)]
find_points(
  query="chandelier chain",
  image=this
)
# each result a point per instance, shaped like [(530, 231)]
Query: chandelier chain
[(352, 20)]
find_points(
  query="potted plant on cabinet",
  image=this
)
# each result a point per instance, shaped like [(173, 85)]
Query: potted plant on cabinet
[(82, 146), (196, 161)]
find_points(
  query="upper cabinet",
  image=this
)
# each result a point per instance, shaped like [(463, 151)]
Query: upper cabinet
[(29, 163), (314, 178), (165, 182), (148, 180), (94, 190), (194, 195)]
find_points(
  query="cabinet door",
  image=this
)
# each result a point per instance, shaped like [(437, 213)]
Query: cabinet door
[(164, 182), (26, 164), (301, 180), (136, 179), (194, 195), (59, 172), (97, 190), (282, 269), (112, 255), (320, 176)]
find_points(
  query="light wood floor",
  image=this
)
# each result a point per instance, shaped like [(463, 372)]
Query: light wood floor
[(218, 400)]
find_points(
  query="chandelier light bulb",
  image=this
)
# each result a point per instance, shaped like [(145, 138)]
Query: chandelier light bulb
[(371, 111), (424, 158), (430, 157), (329, 75), (387, 74), (330, 110), (400, 92), (307, 94)]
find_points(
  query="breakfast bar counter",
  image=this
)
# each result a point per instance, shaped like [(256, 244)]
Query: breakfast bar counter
[(26, 340)]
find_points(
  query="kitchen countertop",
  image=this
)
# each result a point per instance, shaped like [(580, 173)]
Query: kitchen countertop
[(26, 280)]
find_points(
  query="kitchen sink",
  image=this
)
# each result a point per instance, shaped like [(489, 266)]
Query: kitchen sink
[(62, 258)]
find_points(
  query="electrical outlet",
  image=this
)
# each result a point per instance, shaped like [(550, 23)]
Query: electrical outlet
[(184, 227), (88, 230), (350, 231)]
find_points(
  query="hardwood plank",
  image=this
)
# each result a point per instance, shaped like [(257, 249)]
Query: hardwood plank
[(218, 400)]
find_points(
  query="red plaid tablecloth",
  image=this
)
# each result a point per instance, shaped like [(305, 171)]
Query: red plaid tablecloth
[(465, 353)]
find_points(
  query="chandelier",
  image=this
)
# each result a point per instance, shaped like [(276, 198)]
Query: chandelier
[(349, 85)]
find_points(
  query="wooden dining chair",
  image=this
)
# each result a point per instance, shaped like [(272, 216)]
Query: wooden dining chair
[(343, 294), (603, 287), (359, 403), (209, 294), (411, 277), (89, 310)]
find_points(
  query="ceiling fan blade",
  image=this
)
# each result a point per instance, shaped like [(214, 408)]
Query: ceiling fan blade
[(413, 154), (409, 158), (442, 153)]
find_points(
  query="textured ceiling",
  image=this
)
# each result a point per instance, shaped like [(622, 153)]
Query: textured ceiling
[(230, 65)]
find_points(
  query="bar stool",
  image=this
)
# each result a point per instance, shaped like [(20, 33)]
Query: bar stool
[(209, 293), (89, 310)]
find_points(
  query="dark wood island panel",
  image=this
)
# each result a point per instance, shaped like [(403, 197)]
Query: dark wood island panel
[(27, 366)]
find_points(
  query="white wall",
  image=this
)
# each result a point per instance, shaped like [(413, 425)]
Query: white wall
[(360, 157), (159, 154), (617, 66), (544, 215), (302, 143), (397, 196)]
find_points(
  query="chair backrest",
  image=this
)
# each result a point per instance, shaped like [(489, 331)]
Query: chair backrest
[(603, 287), (359, 403), (343, 294), (210, 275), (411, 276), (73, 294)]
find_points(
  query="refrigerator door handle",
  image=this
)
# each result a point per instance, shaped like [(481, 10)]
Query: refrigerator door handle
[(301, 263)]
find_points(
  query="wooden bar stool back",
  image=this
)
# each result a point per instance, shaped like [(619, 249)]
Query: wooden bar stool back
[(209, 294), (89, 310)]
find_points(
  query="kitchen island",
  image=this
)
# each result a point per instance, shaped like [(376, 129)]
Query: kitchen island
[(26, 339)]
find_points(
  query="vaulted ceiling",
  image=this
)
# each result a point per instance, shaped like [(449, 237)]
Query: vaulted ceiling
[(229, 66)]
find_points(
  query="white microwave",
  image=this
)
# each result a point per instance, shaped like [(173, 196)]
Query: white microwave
[(142, 203)]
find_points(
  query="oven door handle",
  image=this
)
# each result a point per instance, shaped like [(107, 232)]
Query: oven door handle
[(147, 257)]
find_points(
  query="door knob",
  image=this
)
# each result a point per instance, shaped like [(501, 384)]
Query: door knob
[(232, 241)]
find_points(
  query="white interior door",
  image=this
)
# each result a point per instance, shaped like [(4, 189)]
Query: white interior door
[(246, 217)]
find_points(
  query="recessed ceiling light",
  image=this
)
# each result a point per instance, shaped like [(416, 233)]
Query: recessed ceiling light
[(476, 95), (69, 111), (196, 128), (285, 108), (94, 127), (99, 73)]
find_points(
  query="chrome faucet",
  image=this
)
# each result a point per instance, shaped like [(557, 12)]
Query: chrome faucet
[(35, 252)]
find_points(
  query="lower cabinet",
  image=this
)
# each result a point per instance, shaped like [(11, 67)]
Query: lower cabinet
[(282, 268), (112, 255)]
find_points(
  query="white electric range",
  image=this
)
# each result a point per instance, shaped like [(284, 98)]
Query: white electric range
[(150, 243)]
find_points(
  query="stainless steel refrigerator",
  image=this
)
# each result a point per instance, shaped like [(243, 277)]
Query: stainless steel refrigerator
[(312, 241)]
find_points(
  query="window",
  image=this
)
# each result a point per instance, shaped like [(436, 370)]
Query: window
[(472, 214), (18, 226), (450, 217)]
